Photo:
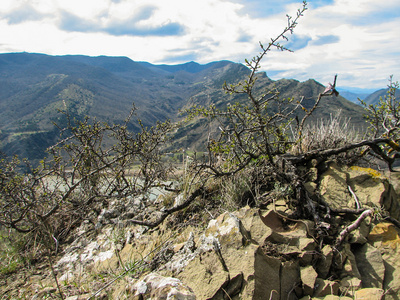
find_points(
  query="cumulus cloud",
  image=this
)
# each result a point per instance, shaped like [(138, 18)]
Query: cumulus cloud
[(71, 22), (130, 26), (297, 42), (350, 38), (325, 39), (262, 8), (356, 39), (168, 29), (22, 14), (244, 37)]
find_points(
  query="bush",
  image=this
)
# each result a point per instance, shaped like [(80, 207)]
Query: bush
[(80, 176)]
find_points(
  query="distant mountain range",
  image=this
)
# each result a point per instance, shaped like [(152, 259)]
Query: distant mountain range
[(367, 95), (375, 96), (34, 86)]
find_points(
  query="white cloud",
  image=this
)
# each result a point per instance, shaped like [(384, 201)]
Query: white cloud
[(363, 53), (85, 9), (356, 39)]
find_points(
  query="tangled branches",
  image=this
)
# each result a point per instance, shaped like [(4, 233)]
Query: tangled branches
[(79, 175)]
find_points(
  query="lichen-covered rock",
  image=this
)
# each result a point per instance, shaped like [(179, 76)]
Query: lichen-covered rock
[(229, 230), (386, 238), (371, 188), (154, 286), (247, 254)]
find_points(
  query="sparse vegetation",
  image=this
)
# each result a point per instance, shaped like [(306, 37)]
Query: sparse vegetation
[(262, 150)]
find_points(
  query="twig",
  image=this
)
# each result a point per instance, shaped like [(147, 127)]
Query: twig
[(55, 277), (217, 249), (226, 293), (352, 227), (271, 294), (358, 205), (169, 211)]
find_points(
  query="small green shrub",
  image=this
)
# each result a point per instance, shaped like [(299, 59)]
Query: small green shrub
[(11, 252), (237, 191)]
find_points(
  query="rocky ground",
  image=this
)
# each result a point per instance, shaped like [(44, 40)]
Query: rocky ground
[(250, 253)]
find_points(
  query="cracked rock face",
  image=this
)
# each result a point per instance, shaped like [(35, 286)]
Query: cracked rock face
[(371, 188), (155, 286), (250, 253)]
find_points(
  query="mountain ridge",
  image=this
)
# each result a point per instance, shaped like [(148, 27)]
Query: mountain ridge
[(33, 86)]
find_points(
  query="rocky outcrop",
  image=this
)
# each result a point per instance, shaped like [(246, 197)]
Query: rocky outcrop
[(154, 286), (247, 254), (255, 254), (386, 238), (343, 187)]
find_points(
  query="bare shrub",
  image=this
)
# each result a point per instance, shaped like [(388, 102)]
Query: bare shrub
[(329, 133)]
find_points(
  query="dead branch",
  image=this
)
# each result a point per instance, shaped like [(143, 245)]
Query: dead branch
[(352, 227), (198, 192), (322, 155)]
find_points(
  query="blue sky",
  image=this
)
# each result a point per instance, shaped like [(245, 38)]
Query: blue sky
[(357, 39)]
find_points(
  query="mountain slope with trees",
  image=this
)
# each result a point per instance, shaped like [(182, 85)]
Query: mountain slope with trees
[(35, 86)]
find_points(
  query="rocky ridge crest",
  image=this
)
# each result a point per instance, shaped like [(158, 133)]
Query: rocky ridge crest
[(251, 253)]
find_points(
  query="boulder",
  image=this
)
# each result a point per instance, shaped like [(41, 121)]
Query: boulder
[(232, 257), (289, 279), (155, 286), (308, 277), (79, 297), (359, 235), (325, 261), (386, 238), (394, 179), (325, 287), (266, 277), (205, 275), (229, 230), (333, 297), (246, 254), (290, 239), (333, 188), (345, 263), (250, 272), (369, 294), (251, 220), (371, 266), (349, 285), (371, 187)]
